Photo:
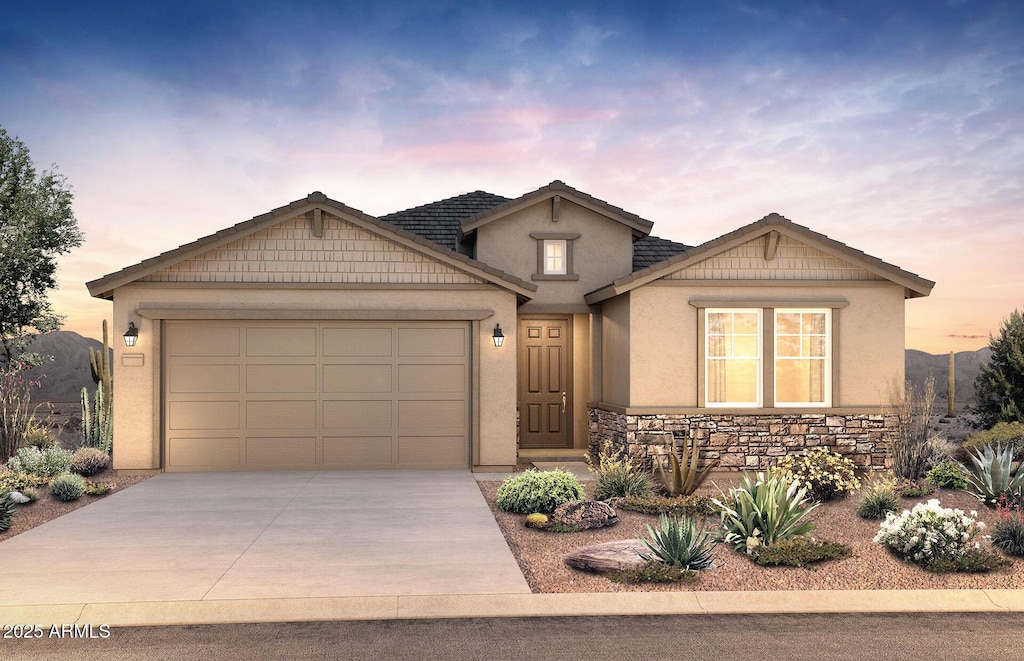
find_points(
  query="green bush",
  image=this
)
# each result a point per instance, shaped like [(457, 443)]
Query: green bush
[(948, 474), (975, 561), (89, 461), (692, 505), (30, 493), (616, 476), (44, 462), (825, 474), (913, 488), (538, 491), (878, 498), (1003, 433), (937, 538), (764, 511), (18, 481), (681, 542), (37, 436), (652, 572), (800, 552), (68, 487), (7, 508)]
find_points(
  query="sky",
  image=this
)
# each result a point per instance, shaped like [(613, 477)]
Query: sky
[(894, 127)]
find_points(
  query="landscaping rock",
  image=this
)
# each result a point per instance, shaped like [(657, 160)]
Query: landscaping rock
[(19, 498), (608, 557), (585, 514)]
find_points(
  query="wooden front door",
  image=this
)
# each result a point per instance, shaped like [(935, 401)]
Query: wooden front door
[(545, 382)]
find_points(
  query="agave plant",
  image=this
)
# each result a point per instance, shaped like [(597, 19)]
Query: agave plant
[(684, 477), (763, 511), (992, 474), (679, 542)]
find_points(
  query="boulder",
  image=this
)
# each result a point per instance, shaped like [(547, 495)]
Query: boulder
[(585, 514), (20, 498), (608, 557)]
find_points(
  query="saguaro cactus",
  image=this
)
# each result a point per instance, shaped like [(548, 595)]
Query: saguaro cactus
[(97, 417)]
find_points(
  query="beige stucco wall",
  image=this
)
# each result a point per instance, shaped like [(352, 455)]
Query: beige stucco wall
[(137, 434), (615, 353), (601, 254), (661, 333), (581, 379)]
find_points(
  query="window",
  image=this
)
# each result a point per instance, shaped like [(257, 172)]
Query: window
[(554, 257), (803, 374), (781, 357), (733, 357)]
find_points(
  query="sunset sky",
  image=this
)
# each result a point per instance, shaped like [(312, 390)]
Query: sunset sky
[(894, 127)]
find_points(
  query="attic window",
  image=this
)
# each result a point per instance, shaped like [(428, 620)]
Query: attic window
[(554, 256)]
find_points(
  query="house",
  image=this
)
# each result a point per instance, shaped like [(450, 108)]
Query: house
[(444, 336)]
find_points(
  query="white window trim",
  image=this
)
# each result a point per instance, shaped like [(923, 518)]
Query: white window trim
[(827, 359), (760, 359)]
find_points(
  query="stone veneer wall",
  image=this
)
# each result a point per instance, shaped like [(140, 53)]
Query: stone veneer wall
[(745, 442)]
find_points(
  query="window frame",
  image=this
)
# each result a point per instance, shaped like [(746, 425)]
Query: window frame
[(706, 358), (826, 359), (543, 239), (562, 259)]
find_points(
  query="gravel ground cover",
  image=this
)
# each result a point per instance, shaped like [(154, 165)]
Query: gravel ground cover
[(540, 554)]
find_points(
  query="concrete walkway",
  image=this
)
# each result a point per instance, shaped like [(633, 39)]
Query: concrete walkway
[(205, 548)]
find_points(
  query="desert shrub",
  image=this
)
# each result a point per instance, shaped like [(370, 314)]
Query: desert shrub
[(825, 474), (764, 511), (948, 474), (536, 520), (89, 461), (37, 436), (800, 552), (1008, 530), (31, 493), (999, 387), (937, 538), (7, 508), (97, 488), (913, 488), (616, 476), (975, 561), (912, 449), (681, 542), (538, 491), (692, 505), (878, 498), (44, 462), (19, 481), (1003, 433), (992, 474), (652, 572), (68, 486), (16, 411)]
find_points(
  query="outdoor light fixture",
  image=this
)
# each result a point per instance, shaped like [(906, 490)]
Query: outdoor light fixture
[(499, 338), (131, 336)]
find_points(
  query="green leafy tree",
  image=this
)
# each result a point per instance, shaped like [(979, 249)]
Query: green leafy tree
[(36, 226), (1000, 385)]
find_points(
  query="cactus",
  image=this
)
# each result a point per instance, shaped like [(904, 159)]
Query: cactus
[(97, 423), (100, 364), (684, 477)]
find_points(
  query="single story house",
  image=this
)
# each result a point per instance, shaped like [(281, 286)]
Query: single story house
[(452, 334)]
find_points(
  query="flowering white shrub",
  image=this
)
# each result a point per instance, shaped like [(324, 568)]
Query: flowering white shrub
[(930, 532)]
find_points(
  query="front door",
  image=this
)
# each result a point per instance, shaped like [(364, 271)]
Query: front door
[(545, 382)]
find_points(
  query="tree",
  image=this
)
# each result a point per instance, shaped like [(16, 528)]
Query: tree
[(1000, 385), (36, 225)]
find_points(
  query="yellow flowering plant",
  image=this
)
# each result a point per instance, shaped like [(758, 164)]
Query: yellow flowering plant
[(825, 474)]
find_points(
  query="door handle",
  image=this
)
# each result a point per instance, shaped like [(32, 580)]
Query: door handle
[(563, 403)]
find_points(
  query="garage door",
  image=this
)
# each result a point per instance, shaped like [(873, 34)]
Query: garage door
[(307, 395)]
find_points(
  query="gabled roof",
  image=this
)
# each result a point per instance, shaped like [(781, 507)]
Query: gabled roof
[(441, 222), (913, 284), (104, 287), (650, 250), (639, 226)]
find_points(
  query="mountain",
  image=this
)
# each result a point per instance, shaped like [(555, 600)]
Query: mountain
[(62, 379), (966, 367)]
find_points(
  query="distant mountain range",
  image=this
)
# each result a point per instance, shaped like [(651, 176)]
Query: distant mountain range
[(63, 378)]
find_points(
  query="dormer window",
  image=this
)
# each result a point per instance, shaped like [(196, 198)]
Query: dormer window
[(554, 256)]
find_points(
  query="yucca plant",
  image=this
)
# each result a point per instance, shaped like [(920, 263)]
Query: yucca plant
[(7, 508), (992, 475), (763, 511), (684, 477), (679, 542)]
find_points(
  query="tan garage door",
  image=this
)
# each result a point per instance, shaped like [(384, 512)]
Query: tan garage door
[(306, 395)]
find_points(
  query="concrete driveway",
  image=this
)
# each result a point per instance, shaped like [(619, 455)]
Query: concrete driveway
[(275, 535)]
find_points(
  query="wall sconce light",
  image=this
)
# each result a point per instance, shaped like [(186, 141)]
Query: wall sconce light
[(499, 337), (131, 336)]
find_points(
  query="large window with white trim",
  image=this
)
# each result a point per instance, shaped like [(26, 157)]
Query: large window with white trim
[(803, 361), (732, 371)]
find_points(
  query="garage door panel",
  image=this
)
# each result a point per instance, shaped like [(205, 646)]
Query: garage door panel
[(431, 415), (188, 415), (280, 451), (205, 379), (358, 451), (280, 378), (281, 341), (206, 453), (300, 414), (431, 378), (352, 342), (431, 342), (205, 341), (438, 451), (357, 378), (357, 414)]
